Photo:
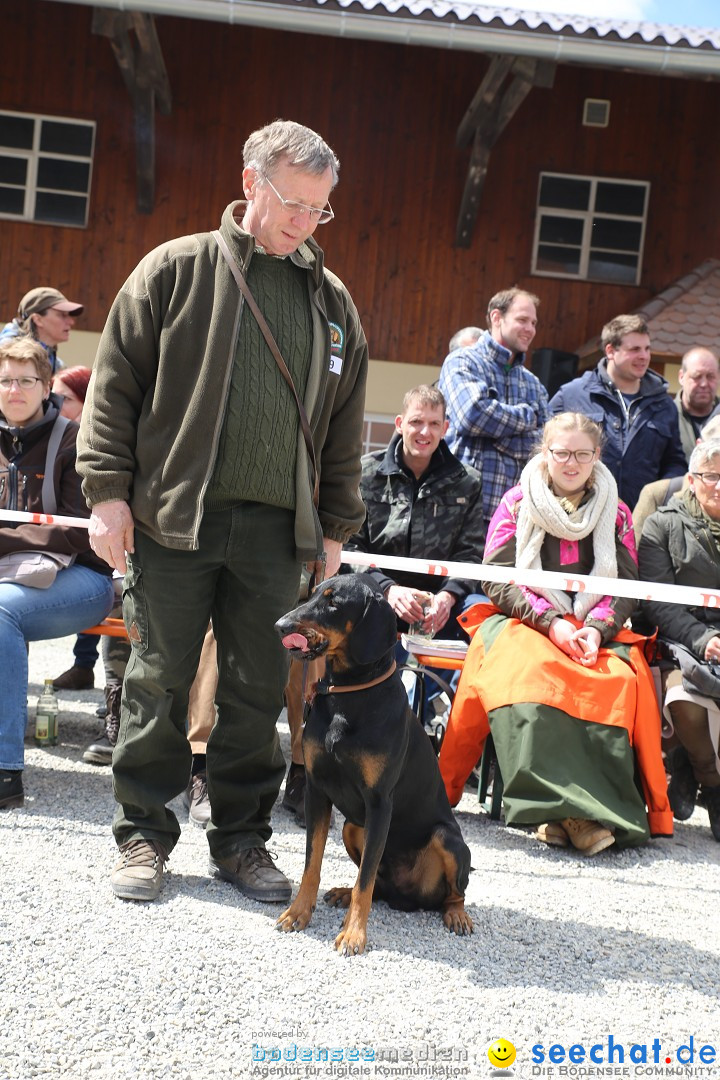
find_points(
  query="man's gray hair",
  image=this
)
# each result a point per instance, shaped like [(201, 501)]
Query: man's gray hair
[(703, 454), (282, 140), (465, 337)]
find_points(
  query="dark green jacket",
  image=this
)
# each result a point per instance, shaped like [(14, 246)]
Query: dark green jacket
[(157, 397), (438, 517), (677, 549)]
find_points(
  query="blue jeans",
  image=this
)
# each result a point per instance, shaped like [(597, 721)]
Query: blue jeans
[(85, 650), (78, 597)]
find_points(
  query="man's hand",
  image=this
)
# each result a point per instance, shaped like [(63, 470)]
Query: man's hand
[(112, 533), (712, 650), (333, 551), (329, 568), (439, 613), (407, 603)]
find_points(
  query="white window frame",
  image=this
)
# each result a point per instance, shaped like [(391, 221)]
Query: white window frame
[(586, 216), (372, 440), (33, 156)]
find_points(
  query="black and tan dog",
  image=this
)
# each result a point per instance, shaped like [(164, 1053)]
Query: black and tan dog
[(366, 753)]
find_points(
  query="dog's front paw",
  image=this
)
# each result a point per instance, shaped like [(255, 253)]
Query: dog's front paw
[(296, 917), (457, 919), (339, 897), (352, 939)]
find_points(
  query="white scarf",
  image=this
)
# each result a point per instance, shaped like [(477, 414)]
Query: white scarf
[(540, 512)]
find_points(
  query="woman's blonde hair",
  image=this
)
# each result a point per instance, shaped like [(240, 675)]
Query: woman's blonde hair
[(27, 351), (571, 421)]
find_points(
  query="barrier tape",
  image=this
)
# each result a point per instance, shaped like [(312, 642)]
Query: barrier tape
[(504, 575), (549, 579), (44, 519)]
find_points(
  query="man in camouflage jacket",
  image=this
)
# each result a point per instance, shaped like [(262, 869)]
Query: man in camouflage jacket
[(422, 502)]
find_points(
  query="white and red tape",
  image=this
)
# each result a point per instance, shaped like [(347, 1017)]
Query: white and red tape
[(636, 590)]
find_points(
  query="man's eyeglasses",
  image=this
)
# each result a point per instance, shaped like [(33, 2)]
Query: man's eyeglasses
[(296, 209), (583, 457), (25, 382), (708, 478)]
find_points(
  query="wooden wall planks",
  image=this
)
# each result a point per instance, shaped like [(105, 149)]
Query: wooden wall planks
[(391, 113)]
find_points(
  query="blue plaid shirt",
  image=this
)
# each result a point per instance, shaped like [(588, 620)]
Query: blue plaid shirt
[(497, 409)]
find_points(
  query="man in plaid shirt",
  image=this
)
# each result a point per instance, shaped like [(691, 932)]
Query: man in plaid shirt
[(496, 407)]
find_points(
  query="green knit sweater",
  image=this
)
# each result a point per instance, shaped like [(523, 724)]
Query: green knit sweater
[(258, 443)]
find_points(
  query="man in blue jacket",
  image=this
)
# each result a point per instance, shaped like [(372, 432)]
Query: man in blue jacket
[(631, 403)]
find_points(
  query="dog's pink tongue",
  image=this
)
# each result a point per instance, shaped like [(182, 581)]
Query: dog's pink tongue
[(295, 641)]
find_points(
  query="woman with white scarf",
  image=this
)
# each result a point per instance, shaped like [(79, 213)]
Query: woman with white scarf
[(565, 690)]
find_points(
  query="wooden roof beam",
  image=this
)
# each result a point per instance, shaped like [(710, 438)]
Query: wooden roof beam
[(152, 61), (143, 71), (485, 120), (484, 97)]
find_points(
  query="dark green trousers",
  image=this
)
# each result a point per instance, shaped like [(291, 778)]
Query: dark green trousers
[(244, 576)]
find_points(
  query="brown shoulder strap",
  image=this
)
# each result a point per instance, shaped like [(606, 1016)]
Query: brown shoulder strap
[(273, 346)]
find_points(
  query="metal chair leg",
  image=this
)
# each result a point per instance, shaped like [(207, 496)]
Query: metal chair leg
[(421, 674), (488, 764)]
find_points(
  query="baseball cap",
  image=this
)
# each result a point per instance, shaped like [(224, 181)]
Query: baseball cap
[(42, 298)]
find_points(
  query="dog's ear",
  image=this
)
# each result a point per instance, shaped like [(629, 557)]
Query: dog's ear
[(375, 633)]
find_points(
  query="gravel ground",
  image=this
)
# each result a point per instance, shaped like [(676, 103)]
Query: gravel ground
[(200, 984)]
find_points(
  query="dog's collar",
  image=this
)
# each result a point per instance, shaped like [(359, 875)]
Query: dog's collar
[(324, 687)]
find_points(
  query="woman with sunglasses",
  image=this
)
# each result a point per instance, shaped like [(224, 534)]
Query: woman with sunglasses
[(563, 688), (80, 592), (47, 316), (680, 545)]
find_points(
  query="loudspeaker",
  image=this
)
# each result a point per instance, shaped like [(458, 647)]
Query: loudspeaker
[(554, 367)]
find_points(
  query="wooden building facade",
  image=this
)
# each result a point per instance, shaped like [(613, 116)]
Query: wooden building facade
[(391, 112)]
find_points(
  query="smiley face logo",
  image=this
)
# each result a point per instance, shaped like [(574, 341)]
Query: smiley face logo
[(501, 1053)]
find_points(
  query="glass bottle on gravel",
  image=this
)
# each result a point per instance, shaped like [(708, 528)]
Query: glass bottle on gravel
[(46, 712)]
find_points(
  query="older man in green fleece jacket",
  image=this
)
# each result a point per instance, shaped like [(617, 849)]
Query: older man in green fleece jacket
[(198, 477)]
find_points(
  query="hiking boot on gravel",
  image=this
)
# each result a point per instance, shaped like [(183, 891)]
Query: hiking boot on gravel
[(683, 787), (195, 798), (75, 678), (553, 834), (294, 797), (138, 875), (254, 874), (589, 837), (11, 789), (100, 752), (712, 805)]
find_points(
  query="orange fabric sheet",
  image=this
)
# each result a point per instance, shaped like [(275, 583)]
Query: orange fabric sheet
[(524, 666)]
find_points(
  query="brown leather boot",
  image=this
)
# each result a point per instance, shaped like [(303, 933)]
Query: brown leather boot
[(552, 833), (75, 678), (589, 837), (138, 874)]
